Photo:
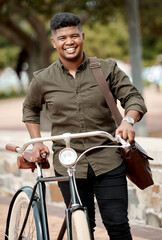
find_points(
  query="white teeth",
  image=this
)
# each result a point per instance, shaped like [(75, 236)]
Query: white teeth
[(70, 49)]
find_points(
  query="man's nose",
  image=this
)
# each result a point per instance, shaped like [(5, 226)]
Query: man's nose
[(69, 40)]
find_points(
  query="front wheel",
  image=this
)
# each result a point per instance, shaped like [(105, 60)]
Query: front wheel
[(80, 227), (17, 212)]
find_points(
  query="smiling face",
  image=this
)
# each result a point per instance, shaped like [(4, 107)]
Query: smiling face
[(69, 43)]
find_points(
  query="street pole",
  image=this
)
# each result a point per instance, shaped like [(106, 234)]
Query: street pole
[(136, 55)]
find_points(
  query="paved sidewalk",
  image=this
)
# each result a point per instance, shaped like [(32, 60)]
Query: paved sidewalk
[(55, 219), (11, 113)]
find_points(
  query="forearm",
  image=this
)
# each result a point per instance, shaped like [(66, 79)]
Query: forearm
[(134, 114), (33, 129), (38, 148)]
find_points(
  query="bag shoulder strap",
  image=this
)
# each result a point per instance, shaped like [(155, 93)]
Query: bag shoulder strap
[(96, 69)]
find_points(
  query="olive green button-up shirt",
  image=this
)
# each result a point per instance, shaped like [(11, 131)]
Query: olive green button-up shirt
[(77, 105)]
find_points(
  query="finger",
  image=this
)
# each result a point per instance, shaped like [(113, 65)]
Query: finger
[(33, 156), (119, 132), (36, 156), (125, 135), (45, 151), (131, 136)]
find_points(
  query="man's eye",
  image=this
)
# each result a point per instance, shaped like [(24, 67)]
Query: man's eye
[(75, 36), (61, 38)]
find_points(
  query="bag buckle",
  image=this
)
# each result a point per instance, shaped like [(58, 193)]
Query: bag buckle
[(95, 65)]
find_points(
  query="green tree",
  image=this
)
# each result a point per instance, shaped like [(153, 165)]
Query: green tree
[(151, 25), (111, 37), (22, 26), (25, 24)]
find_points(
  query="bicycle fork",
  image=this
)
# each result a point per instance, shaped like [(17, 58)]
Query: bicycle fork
[(74, 206)]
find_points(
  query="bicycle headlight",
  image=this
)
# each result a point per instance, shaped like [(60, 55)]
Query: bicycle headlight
[(67, 157)]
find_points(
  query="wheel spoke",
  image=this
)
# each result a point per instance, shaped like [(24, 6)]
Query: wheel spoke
[(17, 218)]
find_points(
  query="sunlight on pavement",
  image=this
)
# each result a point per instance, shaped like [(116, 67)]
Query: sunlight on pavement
[(54, 225)]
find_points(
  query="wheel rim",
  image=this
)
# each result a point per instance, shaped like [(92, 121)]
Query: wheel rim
[(17, 218)]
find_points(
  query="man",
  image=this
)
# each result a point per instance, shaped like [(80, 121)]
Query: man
[(74, 103)]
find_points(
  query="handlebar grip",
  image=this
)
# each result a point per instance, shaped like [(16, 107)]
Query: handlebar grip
[(11, 147)]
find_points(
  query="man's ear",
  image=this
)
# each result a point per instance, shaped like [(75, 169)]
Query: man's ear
[(83, 36), (53, 42)]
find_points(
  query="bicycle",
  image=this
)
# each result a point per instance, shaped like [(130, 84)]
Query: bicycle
[(27, 215)]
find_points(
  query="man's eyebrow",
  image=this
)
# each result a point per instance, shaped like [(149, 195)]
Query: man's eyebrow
[(75, 33), (61, 36)]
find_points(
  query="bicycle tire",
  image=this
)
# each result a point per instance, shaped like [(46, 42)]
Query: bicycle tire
[(33, 228), (80, 227)]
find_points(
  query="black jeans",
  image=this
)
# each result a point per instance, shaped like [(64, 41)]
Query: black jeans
[(110, 190)]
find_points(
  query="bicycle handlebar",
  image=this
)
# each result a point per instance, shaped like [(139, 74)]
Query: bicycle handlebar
[(12, 147), (67, 137)]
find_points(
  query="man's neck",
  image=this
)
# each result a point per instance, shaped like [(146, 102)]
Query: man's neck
[(72, 65)]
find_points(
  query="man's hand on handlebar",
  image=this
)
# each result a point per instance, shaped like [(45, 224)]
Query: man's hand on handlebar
[(126, 131), (37, 151)]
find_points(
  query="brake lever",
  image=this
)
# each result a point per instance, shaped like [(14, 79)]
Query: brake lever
[(122, 141)]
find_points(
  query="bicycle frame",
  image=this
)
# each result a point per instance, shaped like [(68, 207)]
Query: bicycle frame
[(42, 191), (42, 187)]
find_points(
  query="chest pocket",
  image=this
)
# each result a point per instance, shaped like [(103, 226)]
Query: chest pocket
[(60, 102)]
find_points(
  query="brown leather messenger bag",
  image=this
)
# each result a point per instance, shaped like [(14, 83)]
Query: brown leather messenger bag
[(135, 157)]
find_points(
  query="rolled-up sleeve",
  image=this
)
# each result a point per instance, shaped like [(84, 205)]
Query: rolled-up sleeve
[(123, 90), (32, 105), (135, 103)]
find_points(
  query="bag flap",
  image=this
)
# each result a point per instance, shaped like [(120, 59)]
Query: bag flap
[(138, 146)]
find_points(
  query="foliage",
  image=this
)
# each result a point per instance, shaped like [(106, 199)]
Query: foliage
[(13, 94), (24, 24), (151, 25), (111, 40), (8, 54)]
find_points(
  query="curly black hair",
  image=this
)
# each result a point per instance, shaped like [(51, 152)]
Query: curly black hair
[(64, 19)]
